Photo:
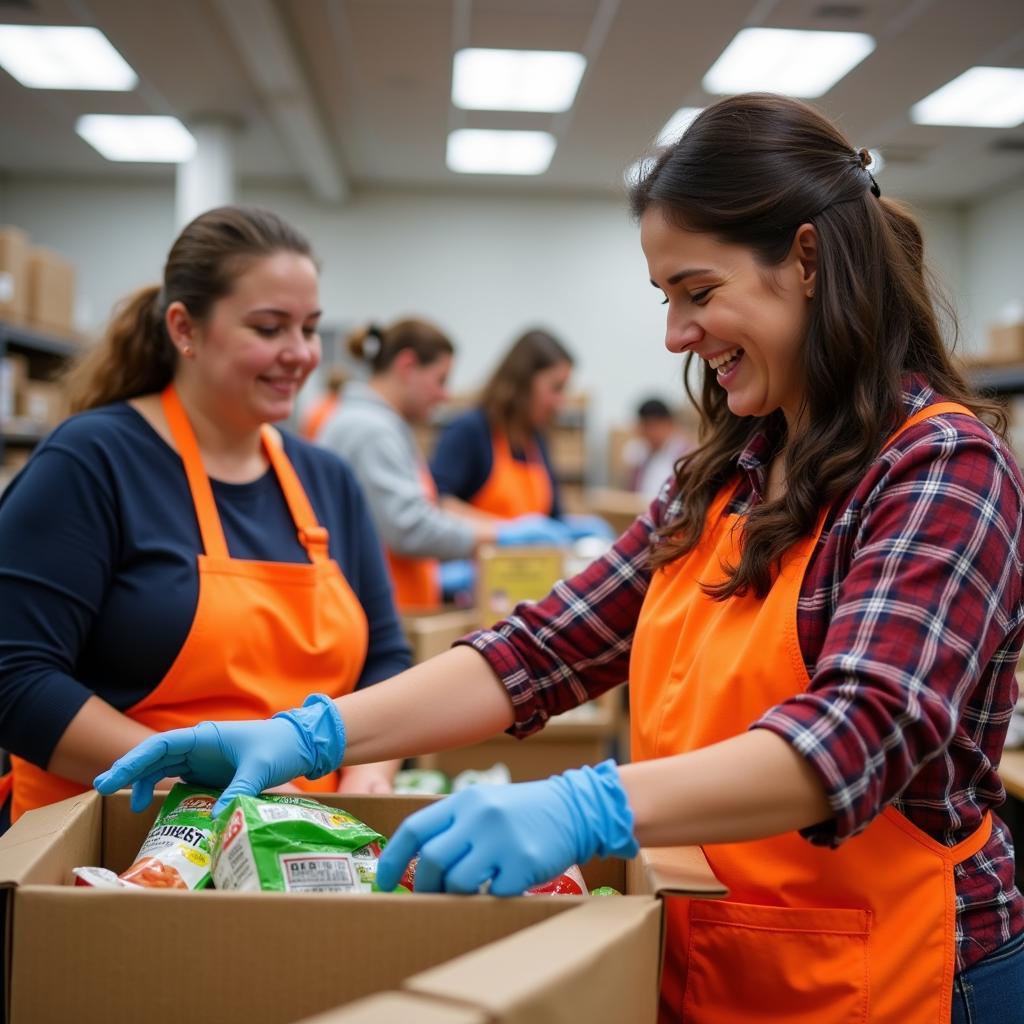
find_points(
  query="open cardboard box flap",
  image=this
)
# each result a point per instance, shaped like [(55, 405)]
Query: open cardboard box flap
[(42, 847), (401, 1008), (599, 962), (673, 870)]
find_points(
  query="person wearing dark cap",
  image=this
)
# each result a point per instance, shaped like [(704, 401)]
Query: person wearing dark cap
[(651, 455)]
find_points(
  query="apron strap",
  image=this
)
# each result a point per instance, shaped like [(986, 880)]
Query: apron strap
[(936, 409), (210, 528), (312, 536)]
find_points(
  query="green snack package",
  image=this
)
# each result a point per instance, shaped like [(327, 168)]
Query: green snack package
[(605, 890), (422, 780), (176, 852), (292, 844)]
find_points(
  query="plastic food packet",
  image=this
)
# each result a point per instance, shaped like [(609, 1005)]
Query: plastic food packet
[(569, 883), (293, 844), (497, 775), (422, 780), (175, 853)]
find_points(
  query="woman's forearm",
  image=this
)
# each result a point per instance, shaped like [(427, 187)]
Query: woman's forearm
[(458, 507), (96, 737), (748, 787), (449, 701)]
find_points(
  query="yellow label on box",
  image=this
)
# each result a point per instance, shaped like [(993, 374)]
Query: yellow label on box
[(510, 575)]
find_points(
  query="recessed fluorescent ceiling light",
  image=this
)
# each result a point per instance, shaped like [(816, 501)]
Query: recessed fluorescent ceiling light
[(139, 139), (486, 151), (63, 57), (985, 97), (790, 61), (677, 124), (544, 80)]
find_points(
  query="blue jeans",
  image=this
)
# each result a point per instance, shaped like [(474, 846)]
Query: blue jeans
[(992, 991)]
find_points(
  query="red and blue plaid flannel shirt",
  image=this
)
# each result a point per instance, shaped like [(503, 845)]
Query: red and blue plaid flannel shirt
[(910, 621)]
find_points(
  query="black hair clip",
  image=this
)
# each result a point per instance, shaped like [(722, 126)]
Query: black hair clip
[(875, 190)]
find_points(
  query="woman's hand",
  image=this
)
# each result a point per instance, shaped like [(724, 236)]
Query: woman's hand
[(512, 837), (242, 757)]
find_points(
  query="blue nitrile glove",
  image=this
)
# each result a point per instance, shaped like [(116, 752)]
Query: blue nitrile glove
[(457, 576), (244, 757), (534, 529), (513, 836), (588, 526)]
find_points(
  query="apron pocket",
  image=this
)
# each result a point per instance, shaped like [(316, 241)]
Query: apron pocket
[(749, 963)]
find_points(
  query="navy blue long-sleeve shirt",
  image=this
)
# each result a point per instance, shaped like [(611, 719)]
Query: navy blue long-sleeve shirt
[(98, 575), (464, 458)]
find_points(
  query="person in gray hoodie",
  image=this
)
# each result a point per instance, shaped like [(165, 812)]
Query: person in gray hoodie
[(409, 363)]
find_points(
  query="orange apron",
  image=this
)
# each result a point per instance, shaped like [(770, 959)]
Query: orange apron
[(514, 488), (807, 935), (264, 636), (417, 581), (324, 409)]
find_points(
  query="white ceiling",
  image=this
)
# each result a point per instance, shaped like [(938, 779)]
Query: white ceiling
[(374, 84)]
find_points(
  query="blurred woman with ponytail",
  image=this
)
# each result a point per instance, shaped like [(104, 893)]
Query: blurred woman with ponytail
[(409, 362), (168, 556)]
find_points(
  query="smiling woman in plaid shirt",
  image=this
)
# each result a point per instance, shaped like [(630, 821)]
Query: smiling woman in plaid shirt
[(819, 617)]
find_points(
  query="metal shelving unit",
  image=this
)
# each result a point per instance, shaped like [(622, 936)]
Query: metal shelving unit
[(998, 380), (46, 354)]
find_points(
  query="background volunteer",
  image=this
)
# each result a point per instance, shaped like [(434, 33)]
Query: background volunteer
[(494, 457), (652, 454), (819, 618), (112, 627), (409, 364)]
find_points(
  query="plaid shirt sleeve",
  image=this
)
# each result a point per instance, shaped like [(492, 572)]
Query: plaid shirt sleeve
[(925, 588), (572, 646)]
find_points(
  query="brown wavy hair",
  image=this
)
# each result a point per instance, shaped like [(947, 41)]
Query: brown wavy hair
[(506, 396), (379, 346), (135, 356), (749, 171)]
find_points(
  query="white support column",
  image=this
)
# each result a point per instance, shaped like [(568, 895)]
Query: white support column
[(208, 179)]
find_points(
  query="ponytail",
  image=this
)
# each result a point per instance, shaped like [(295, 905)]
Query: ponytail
[(366, 344), (379, 346), (135, 356)]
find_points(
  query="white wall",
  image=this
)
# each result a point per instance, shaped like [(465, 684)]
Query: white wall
[(994, 254), (484, 267)]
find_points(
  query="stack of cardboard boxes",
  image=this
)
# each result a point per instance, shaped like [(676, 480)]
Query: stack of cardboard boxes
[(37, 286), (36, 336)]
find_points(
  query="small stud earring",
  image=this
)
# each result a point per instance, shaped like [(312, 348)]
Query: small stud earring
[(186, 350)]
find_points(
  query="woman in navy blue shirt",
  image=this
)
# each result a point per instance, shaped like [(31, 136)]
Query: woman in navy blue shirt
[(494, 458), (166, 555)]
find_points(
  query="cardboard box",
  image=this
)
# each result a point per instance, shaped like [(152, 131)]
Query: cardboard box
[(43, 403), (434, 633), (51, 291), (401, 1008), (506, 576), (14, 250), (619, 508), (568, 450), (13, 377), (94, 956), (1006, 343)]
